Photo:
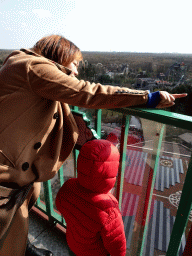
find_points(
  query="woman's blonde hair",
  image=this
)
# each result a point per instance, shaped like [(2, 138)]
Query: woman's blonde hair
[(58, 49)]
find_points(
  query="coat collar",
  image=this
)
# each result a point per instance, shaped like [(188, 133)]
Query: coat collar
[(60, 67)]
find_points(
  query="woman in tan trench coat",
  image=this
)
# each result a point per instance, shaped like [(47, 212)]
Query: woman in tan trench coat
[(37, 129)]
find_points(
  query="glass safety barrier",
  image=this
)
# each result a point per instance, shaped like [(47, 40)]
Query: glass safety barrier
[(154, 180)]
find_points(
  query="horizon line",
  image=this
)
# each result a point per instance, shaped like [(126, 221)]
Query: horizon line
[(95, 51)]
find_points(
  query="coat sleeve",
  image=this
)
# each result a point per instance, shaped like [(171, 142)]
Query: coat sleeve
[(113, 234), (46, 80)]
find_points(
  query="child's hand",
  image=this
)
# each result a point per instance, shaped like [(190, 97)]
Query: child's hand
[(167, 99)]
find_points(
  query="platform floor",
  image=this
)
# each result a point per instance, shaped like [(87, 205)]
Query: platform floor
[(42, 235)]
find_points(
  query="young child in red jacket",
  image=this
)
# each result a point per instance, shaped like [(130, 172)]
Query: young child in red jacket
[(94, 223)]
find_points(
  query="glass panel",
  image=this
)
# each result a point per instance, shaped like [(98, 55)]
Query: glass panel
[(67, 170), (171, 171), (42, 198), (111, 125), (137, 176), (90, 114), (111, 130)]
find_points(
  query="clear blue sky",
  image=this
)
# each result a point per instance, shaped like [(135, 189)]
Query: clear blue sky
[(102, 25)]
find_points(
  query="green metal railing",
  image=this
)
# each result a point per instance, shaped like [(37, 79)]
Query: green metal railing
[(162, 118)]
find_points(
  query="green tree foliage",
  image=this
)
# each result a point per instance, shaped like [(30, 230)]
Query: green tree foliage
[(104, 79), (87, 73), (152, 63)]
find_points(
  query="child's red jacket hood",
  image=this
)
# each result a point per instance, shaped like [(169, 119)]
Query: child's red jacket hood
[(97, 166), (94, 222)]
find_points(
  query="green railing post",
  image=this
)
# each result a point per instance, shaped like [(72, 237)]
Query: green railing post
[(154, 163), (75, 108), (182, 215), (123, 150), (38, 200), (98, 122), (61, 177), (48, 198), (75, 154)]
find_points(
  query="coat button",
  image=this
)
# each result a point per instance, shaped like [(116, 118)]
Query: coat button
[(56, 115), (37, 145), (25, 166)]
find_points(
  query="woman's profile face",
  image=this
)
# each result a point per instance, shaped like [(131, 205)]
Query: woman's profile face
[(74, 67)]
